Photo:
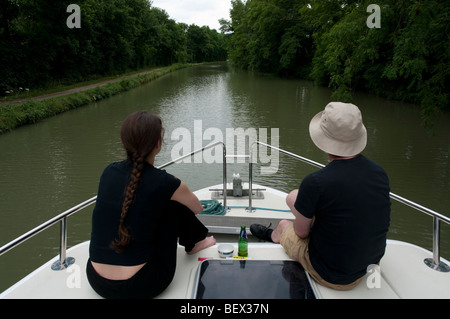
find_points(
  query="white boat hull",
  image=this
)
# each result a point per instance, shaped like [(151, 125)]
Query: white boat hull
[(402, 272)]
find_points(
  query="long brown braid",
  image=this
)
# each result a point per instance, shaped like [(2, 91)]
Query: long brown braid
[(141, 131)]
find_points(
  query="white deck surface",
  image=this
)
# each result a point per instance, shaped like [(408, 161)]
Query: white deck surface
[(403, 273)]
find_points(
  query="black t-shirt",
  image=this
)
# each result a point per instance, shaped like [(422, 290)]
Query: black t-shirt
[(155, 189), (351, 205)]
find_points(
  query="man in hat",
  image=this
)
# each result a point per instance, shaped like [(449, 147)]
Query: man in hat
[(342, 212)]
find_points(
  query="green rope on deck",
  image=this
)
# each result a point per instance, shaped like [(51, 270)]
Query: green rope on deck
[(263, 208), (212, 207)]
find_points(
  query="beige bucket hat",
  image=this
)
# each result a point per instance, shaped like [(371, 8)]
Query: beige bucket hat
[(339, 130)]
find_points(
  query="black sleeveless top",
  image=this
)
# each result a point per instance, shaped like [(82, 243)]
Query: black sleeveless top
[(154, 192)]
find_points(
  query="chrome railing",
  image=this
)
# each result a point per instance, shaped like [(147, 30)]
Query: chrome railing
[(64, 261), (434, 263)]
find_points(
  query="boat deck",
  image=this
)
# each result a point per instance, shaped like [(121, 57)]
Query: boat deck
[(402, 272), (403, 275)]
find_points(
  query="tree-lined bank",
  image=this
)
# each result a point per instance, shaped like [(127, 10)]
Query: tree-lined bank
[(38, 48), (406, 58), (33, 110)]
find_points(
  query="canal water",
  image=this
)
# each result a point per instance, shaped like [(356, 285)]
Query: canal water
[(55, 164)]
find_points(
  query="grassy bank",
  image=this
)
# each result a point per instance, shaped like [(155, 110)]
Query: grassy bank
[(29, 112)]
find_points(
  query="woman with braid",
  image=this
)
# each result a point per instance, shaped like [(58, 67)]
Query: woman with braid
[(140, 214)]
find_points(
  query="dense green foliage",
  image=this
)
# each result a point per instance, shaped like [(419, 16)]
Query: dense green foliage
[(38, 49), (407, 58)]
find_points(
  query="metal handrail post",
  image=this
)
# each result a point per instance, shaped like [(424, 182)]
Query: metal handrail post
[(224, 175), (63, 261), (435, 262), (63, 241), (250, 178), (436, 241)]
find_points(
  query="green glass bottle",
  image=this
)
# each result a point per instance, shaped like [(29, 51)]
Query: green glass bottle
[(243, 243)]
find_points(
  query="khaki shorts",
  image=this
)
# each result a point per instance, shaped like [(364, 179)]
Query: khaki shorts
[(297, 249)]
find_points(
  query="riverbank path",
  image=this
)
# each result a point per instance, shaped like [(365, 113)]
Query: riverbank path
[(77, 89)]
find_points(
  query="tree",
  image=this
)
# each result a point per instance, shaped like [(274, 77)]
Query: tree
[(269, 36), (420, 64), (408, 58), (204, 44), (38, 49)]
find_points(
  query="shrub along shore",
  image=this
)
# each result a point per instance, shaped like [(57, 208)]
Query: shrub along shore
[(14, 115)]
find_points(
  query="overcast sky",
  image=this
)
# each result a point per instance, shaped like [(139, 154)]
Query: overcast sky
[(199, 12)]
